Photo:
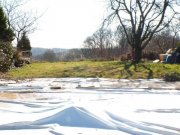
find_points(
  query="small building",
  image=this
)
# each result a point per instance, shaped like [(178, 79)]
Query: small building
[(22, 57), (25, 56)]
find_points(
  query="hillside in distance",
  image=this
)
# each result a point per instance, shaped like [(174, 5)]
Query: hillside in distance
[(39, 51)]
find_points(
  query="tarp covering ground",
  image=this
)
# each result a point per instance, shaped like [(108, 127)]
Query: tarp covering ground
[(98, 106)]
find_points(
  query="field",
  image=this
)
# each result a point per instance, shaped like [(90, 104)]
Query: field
[(105, 69)]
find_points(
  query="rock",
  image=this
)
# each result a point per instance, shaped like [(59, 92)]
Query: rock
[(55, 87)]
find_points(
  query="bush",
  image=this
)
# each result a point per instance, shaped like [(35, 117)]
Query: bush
[(7, 54), (150, 55), (172, 77)]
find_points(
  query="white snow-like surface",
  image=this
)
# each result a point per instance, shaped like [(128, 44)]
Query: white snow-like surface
[(89, 106)]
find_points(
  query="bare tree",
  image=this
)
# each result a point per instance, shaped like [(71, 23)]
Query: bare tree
[(19, 20), (144, 18), (73, 55), (160, 42), (100, 44), (175, 29), (49, 56), (90, 48), (120, 40)]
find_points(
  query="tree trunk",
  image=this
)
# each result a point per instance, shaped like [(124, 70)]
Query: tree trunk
[(173, 42), (137, 54)]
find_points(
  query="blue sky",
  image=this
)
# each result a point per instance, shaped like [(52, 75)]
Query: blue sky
[(66, 23)]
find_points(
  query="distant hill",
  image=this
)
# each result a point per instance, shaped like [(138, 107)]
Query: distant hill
[(39, 51)]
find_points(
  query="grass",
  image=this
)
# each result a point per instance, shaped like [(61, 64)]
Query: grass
[(106, 69)]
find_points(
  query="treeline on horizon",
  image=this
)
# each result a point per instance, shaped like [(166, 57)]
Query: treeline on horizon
[(106, 44)]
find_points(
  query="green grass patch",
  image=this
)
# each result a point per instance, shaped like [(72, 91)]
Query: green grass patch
[(106, 69)]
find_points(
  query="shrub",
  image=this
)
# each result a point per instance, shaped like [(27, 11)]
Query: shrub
[(7, 60), (172, 77), (150, 55)]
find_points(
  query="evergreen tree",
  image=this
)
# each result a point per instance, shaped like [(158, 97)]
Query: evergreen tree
[(24, 43), (6, 33), (6, 36)]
